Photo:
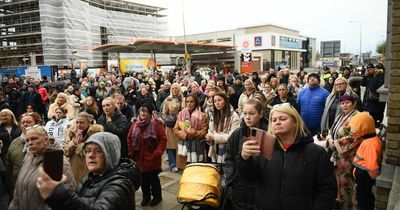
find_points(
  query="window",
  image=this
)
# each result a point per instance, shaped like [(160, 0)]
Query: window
[(273, 41), (226, 39), (206, 41)]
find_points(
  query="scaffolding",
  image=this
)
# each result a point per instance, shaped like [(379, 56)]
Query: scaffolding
[(63, 32)]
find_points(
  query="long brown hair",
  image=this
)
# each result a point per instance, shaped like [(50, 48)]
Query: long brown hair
[(93, 107), (220, 116)]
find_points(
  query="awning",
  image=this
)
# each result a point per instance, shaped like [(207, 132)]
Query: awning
[(162, 46)]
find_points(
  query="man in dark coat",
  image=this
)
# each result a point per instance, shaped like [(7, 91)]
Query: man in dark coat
[(163, 94), (124, 107), (3, 101), (31, 97), (238, 87), (373, 79), (115, 122)]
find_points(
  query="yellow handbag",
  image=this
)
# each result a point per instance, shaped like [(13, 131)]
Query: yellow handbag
[(200, 184)]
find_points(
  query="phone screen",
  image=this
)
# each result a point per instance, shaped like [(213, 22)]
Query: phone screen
[(53, 163)]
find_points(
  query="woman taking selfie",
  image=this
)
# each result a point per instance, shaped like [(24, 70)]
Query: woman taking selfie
[(242, 193), (298, 176), (191, 127), (221, 124), (26, 194)]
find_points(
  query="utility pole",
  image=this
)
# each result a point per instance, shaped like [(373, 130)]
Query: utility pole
[(360, 25)]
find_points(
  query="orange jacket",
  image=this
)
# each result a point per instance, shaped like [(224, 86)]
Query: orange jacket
[(368, 156)]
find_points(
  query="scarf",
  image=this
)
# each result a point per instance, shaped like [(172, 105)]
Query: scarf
[(148, 129), (195, 118), (339, 122)]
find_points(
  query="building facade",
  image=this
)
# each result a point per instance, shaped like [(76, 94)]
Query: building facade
[(63, 32), (270, 46)]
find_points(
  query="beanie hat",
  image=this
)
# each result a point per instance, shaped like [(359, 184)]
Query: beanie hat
[(314, 75), (362, 124)]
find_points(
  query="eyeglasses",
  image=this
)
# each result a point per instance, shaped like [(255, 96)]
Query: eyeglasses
[(340, 84), (95, 151), (39, 129), (282, 104)]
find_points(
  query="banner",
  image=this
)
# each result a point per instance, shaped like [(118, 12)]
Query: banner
[(133, 65), (33, 72)]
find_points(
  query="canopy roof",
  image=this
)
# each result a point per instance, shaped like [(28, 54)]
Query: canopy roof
[(162, 46)]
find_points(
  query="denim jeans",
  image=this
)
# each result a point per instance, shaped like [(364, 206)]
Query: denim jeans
[(171, 158)]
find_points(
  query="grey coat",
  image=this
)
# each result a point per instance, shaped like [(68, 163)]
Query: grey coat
[(26, 194)]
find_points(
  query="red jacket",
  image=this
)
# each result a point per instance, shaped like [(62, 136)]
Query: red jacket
[(43, 94), (148, 159)]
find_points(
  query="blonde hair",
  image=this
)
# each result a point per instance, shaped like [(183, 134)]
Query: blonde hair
[(348, 87), (10, 113), (292, 112), (111, 99), (175, 85), (64, 95)]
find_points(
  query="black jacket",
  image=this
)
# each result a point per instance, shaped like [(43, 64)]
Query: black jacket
[(113, 190), (145, 99), (8, 138), (234, 149), (299, 178), (119, 126)]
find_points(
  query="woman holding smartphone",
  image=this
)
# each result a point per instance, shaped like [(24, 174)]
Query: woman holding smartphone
[(26, 194), (299, 175), (241, 192), (221, 124)]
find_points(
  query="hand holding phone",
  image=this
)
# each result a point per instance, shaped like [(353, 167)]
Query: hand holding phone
[(264, 140)]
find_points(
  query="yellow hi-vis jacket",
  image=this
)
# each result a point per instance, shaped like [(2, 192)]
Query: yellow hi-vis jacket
[(368, 156)]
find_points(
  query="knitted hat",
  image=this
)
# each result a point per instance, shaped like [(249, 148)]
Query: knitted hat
[(314, 75), (362, 124)]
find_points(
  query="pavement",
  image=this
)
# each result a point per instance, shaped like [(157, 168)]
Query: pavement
[(170, 187)]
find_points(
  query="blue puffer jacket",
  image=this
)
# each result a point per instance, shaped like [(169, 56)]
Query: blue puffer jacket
[(311, 102)]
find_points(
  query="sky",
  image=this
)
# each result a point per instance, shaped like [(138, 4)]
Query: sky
[(324, 20)]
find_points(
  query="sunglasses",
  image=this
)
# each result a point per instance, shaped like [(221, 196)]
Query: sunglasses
[(39, 129)]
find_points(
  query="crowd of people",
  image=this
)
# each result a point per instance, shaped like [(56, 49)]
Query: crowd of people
[(114, 129)]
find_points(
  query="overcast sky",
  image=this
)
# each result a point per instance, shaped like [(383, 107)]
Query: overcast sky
[(322, 19)]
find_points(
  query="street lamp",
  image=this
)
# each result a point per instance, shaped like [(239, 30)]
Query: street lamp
[(359, 22), (184, 38)]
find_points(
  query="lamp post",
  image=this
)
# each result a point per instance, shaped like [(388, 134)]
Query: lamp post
[(359, 22), (184, 39)]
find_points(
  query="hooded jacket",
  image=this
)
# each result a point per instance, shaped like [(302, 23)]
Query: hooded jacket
[(75, 152), (112, 190), (300, 177), (369, 154)]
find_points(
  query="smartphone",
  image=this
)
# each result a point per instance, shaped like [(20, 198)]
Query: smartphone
[(265, 140), (53, 163), (257, 134)]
